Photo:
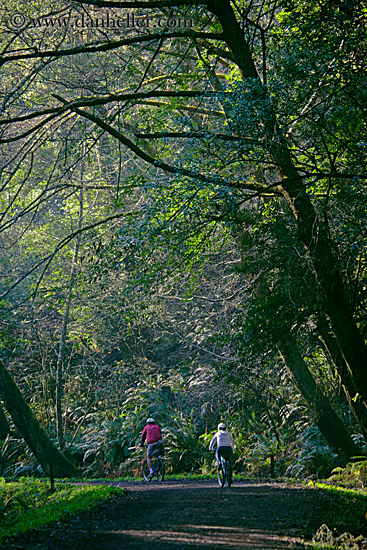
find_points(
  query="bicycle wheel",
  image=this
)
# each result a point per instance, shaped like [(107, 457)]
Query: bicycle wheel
[(159, 469), (146, 470), (228, 473), (221, 475)]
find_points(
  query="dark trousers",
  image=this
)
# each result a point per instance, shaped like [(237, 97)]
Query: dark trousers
[(225, 452)]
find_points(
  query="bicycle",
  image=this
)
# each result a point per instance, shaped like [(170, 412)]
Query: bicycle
[(157, 465), (225, 473)]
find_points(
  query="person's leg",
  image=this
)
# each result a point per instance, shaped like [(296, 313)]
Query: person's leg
[(149, 458), (217, 456), (227, 452), (230, 462), (151, 452)]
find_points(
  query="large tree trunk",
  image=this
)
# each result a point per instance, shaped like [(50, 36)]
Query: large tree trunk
[(35, 437), (4, 426), (311, 231), (4, 430), (329, 423), (324, 416), (336, 358)]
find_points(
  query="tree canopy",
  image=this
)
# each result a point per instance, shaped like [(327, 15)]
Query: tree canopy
[(183, 206)]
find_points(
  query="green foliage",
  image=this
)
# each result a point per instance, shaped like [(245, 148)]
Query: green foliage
[(104, 446), (29, 503), (16, 458), (353, 475), (256, 459), (313, 458), (187, 451), (326, 538), (182, 284)]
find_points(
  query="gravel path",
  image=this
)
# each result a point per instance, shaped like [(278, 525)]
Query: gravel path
[(190, 515)]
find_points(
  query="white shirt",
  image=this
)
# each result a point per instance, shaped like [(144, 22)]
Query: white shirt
[(223, 439)]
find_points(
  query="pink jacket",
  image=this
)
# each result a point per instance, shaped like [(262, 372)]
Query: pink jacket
[(151, 433)]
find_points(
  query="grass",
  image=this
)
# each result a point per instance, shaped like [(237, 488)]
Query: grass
[(167, 477), (172, 477), (29, 504), (347, 508), (344, 513)]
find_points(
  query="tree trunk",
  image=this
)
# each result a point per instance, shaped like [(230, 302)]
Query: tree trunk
[(35, 437), (311, 231), (331, 347), (329, 423), (326, 419), (4, 426)]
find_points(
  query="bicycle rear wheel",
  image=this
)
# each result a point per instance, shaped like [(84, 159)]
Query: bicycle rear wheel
[(228, 473), (159, 469), (146, 470), (221, 475)]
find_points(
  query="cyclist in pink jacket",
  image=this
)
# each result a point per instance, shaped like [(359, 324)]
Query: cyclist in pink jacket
[(224, 442), (153, 436)]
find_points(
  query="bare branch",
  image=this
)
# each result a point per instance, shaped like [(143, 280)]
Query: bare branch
[(144, 4), (94, 47), (103, 100), (193, 134)]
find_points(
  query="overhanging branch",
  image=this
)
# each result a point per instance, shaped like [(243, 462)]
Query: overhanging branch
[(148, 158), (111, 45), (109, 98)]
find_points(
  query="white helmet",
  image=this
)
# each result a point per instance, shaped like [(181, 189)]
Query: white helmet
[(222, 426), (150, 420)]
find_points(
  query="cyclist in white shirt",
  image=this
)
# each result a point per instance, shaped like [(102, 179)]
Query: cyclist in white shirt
[(224, 442)]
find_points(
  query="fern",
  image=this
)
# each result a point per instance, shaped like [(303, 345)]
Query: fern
[(354, 475)]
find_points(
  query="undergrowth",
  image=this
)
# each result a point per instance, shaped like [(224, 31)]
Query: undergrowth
[(30, 504), (325, 538), (346, 510), (354, 475)]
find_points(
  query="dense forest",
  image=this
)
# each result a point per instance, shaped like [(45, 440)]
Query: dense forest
[(183, 233)]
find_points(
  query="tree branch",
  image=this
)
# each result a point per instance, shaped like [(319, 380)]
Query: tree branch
[(94, 47), (193, 134), (148, 158), (144, 4), (103, 100)]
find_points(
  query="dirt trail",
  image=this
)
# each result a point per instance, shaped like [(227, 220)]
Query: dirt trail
[(191, 515)]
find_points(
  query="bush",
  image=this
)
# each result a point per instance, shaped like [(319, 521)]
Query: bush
[(354, 475)]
